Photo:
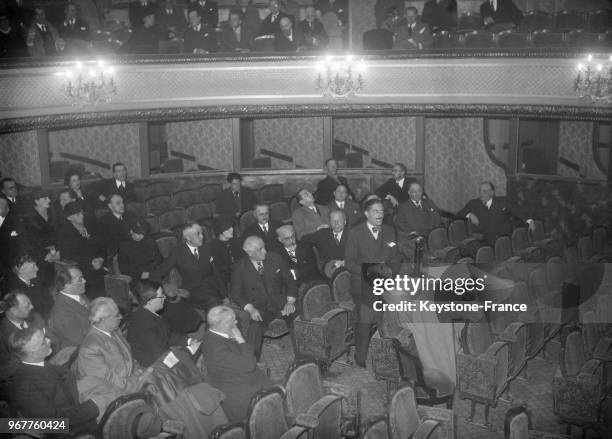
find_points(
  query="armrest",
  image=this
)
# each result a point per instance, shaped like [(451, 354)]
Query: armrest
[(294, 432), (319, 407), (307, 420), (351, 404), (425, 429), (405, 336), (603, 349), (592, 368), (509, 334), (435, 413), (328, 316)]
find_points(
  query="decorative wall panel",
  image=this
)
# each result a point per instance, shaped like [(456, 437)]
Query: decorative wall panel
[(575, 144), (389, 139), (106, 143), (209, 141), (456, 162), (19, 157), (298, 138)]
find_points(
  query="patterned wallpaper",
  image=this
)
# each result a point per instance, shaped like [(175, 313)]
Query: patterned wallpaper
[(456, 162), (210, 141), (106, 143), (575, 144), (390, 139), (19, 157), (300, 138)]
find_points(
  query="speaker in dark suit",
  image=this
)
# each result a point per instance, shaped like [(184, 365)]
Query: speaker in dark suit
[(263, 286), (371, 242)]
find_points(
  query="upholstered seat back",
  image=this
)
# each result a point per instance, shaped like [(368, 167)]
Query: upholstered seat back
[(403, 416), (476, 338), (266, 415), (341, 286), (316, 301), (303, 388), (572, 354)]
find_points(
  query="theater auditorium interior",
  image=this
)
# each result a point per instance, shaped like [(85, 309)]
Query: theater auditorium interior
[(306, 219)]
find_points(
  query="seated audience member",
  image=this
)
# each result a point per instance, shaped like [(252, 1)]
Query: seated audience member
[(262, 286), (139, 255), (72, 180), (271, 24), (491, 215), (338, 7), (105, 369), (250, 16), (194, 263), (12, 43), (18, 314), (265, 228), (286, 40), (392, 22), (412, 34), (181, 317), (225, 249), (75, 31), (310, 217), (209, 10), (10, 237), (331, 242), (40, 234), (199, 38), (351, 209), (230, 363), (417, 215), (440, 15), (499, 15), (69, 321), (117, 185), (382, 8), (396, 188), (145, 38), (41, 37), (64, 197), (236, 37), (171, 20), (311, 33), (326, 187), (24, 277), (10, 191), (371, 242), (114, 225), (40, 389), (78, 243), (148, 333), (137, 11), (235, 199), (298, 257)]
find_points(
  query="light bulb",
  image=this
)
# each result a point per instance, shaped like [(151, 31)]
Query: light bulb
[(590, 58)]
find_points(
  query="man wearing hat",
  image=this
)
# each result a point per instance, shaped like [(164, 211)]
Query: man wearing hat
[(138, 255), (225, 249)]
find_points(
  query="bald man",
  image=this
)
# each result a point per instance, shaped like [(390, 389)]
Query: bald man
[(263, 286), (230, 363)]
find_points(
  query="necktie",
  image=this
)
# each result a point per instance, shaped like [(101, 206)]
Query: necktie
[(494, 5), (23, 325), (418, 204), (196, 254), (337, 238), (260, 268), (375, 230), (236, 194), (410, 30), (44, 28), (83, 301), (292, 255), (274, 18), (265, 229)]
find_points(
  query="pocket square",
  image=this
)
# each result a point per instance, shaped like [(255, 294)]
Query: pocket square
[(277, 270), (391, 244), (14, 233)]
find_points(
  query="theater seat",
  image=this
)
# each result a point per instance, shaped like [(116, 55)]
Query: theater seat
[(440, 248), (378, 39), (266, 418), (534, 20), (582, 38), (478, 39), (511, 39), (376, 428), (547, 38)]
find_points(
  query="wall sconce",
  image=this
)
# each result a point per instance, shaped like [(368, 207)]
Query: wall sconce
[(90, 83), (340, 77), (594, 80)]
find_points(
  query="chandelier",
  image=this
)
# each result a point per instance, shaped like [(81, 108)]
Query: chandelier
[(339, 78), (594, 80), (89, 83)]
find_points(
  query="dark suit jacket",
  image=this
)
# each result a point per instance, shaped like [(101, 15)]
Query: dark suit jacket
[(181, 317), (306, 32), (326, 187), (50, 392), (39, 234), (363, 248), (210, 12), (20, 207), (114, 230), (149, 336), (410, 218), (74, 247), (268, 292), (270, 238), (80, 30), (440, 16), (339, 7), (10, 242), (390, 187), (251, 20), (305, 267), (12, 44), (493, 222), (283, 44), (205, 39), (109, 187), (269, 27), (68, 322), (137, 257), (228, 205), (325, 243), (229, 42), (225, 254), (137, 12), (420, 36), (352, 210), (507, 12), (9, 362), (232, 369), (199, 277), (41, 298), (176, 20), (306, 221)]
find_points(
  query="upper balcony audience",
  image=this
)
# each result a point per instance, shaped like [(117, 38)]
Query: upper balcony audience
[(170, 20), (12, 41), (238, 36), (74, 31), (311, 33), (499, 15), (118, 184), (286, 40), (146, 36), (440, 15), (42, 39), (200, 37), (250, 16), (236, 199), (209, 11), (9, 236), (412, 34), (326, 187), (311, 216)]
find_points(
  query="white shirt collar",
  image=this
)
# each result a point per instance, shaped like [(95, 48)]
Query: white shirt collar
[(416, 203), (25, 281), (221, 334), (400, 182), (18, 325), (74, 297), (370, 226), (40, 364), (119, 217), (340, 204), (261, 226), (102, 331), (119, 183), (488, 203), (192, 248), (338, 234)]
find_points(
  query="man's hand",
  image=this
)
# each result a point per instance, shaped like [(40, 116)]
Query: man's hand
[(102, 198), (237, 335), (392, 199), (289, 307), (97, 263), (253, 313), (145, 275), (339, 264), (473, 218), (532, 226), (199, 334)]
